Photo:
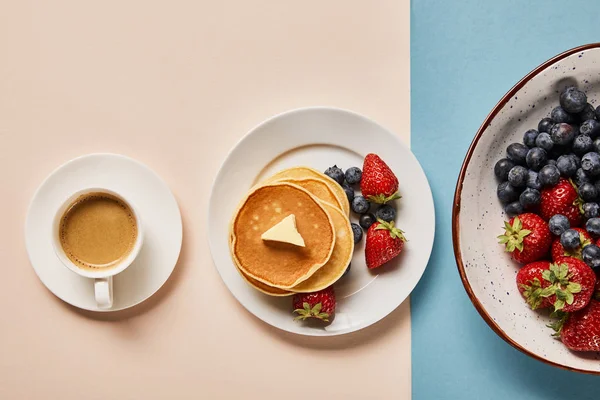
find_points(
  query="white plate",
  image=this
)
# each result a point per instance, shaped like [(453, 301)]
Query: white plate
[(320, 137), (487, 271), (158, 211)]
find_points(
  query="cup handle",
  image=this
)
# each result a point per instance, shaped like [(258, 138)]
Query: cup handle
[(104, 292)]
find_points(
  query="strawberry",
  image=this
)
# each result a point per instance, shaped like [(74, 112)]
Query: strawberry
[(580, 331), (527, 238), (533, 287), (559, 251), (384, 242), (319, 305), (562, 199), (567, 284), (378, 182)]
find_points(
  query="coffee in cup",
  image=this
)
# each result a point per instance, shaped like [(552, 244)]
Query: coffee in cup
[(97, 231)]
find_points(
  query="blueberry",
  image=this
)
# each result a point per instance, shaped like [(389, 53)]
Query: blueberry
[(597, 185), (590, 163), (366, 220), (598, 113), (533, 181), (596, 145), (536, 158), (335, 173), (529, 137), (587, 113), (591, 255), (549, 175), (588, 192), (386, 213), (551, 162), (357, 232), (544, 140), (545, 125), (573, 100), (562, 134), (576, 158), (582, 144), (558, 224), (581, 177), (353, 175), (591, 210), (349, 192), (591, 127), (502, 167), (558, 151), (559, 115), (360, 205), (507, 193), (570, 239), (517, 152), (517, 176), (513, 209), (566, 166), (529, 198), (593, 226)]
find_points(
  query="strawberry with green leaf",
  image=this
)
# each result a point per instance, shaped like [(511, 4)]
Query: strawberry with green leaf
[(558, 249), (526, 237), (566, 285), (317, 305), (378, 183)]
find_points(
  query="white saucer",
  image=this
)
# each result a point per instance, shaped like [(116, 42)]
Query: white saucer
[(158, 210), (320, 137)]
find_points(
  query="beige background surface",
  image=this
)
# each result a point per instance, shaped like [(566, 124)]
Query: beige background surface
[(175, 84)]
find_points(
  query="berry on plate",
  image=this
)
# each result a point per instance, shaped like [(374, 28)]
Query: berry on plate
[(378, 182), (318, 305), (593, 226), (558, 224), (558, 250), (545, 125), (573, 100), (386, 213), (526, 237), (561, 199), (567, 284), (580, 331), (335, 173), (366, 220), (360, 205), (353, 175), (570, 239), (517, 152), (357, 232), (591, 256), (384, 242), (349, 192), (502, 168), (507, 193), (549, 175)]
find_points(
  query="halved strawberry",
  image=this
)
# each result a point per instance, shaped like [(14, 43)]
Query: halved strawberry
[(526, 237), (559, 251)]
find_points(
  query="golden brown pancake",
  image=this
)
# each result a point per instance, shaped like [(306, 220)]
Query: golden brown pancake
[(317, 187), (280, 265), (340, 258), (307, 172)]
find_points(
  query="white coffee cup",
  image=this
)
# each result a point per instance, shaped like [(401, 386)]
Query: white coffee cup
[(102, 277)]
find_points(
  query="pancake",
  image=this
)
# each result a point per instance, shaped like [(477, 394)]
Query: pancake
[(317, 187), (340, 258), (280, 265), (307, 172)]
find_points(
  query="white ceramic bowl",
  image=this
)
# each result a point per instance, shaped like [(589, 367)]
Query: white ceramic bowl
[(487, 272)]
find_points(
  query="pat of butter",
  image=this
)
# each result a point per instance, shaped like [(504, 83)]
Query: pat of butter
[(285, 231)]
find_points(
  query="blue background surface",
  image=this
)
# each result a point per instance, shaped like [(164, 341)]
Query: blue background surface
[(464, 56)]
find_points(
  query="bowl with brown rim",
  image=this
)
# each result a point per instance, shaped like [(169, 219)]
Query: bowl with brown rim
[(487, 272)]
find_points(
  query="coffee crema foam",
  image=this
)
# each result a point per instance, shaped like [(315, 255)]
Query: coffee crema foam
[(97, 231)]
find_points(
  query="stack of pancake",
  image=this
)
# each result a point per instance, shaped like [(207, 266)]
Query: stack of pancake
[(321, 209)]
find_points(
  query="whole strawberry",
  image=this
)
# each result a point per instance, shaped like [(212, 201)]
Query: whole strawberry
[(558, 249), (561, 199), (580, 330), (378, 182), (575, 284), (319, 305), (533, 287), (526, 237), (384, 242)]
